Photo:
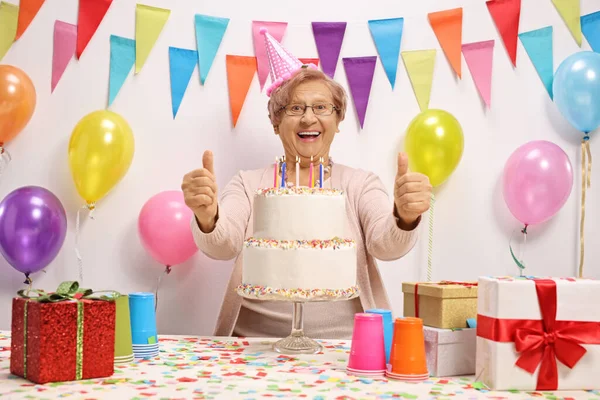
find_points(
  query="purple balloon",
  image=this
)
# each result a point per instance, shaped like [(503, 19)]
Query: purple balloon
[(33, 226), (538, 178)]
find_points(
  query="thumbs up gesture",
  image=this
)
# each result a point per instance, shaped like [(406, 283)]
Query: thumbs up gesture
[(412, 192), (200, 192)]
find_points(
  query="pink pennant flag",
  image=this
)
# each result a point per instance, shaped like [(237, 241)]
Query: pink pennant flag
[(479, 56), (277, 30), (65, 43)]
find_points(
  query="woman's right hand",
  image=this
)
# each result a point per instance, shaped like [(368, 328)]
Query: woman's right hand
[(200, 193)]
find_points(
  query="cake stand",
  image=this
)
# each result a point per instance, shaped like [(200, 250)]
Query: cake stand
[(297, 342)]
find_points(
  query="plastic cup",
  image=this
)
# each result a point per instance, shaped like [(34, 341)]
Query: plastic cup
[(123, 341), (388, 329), (143, 318), (407, 357), (367, 352)]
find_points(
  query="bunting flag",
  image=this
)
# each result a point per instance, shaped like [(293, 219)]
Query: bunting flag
[(359, 71), (506, 15), (65, 44), (538, 45), (479, 57), (91, 14), (9, 15), (122, 58), (590, 26), (182, 63), (419, 66), (28, 9), (309, 61), (387, 35), (447, 26), (209, 34), (328, 38), (570, 10), (277, 30), (149, 23), (240, 71)]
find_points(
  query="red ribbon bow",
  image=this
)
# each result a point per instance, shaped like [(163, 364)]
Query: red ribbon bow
[(543, 342)]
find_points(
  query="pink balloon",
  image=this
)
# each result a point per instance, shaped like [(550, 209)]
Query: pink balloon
[(538, 178), (164, 228)]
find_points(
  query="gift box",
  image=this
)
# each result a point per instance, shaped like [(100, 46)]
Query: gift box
[(63, 336), (445, 305), (450, 352), (538, 333)]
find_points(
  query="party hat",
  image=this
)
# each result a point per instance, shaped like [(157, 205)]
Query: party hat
[(283, 63)]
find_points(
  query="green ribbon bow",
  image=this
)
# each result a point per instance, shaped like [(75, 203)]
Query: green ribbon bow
[(66, 291)]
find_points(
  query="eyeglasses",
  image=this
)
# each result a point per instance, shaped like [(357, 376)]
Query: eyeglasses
[(322, 109)]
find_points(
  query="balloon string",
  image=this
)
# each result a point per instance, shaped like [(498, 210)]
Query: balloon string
[(520, 263), (90, 207), (6, 158), (586, 172), (430, 244), (29, 283), (167, 271)]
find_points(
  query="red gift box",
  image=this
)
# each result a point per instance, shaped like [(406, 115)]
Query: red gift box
[(62, 336)]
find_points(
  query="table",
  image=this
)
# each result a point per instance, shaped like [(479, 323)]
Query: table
[(190, 367)]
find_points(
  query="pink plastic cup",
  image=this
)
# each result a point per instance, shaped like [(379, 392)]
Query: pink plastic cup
[(367, 353)]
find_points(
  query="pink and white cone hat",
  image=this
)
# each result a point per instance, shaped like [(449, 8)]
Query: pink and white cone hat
[(283, 63)]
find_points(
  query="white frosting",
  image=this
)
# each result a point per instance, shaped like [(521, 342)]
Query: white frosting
[(300, 268), (300, 217)]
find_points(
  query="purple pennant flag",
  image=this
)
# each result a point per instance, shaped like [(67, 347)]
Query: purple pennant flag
[(329, 37), (359, 71)]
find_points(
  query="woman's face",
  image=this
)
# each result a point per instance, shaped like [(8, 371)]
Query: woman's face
[(309, 134)]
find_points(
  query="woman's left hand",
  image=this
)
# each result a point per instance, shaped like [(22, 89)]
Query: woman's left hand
[(412, 192)]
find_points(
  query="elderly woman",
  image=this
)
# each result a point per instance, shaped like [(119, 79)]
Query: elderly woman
[(306, 111)]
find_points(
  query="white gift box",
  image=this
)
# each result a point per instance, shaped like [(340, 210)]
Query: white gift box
[(510, 312), (450, 352)]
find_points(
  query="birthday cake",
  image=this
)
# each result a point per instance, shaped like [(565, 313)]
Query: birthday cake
[(300, 248)]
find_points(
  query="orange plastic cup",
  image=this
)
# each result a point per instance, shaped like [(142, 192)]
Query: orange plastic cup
[(407, 358)]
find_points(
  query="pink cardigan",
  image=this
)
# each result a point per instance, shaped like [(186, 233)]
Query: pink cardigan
[(372, 224)]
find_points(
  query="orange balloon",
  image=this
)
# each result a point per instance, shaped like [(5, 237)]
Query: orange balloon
[(17, 101)]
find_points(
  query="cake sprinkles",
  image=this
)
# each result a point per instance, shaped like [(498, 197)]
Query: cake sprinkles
[(335, 243), (262, 291), (300, 190)]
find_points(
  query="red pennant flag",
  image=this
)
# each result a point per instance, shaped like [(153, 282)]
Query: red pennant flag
[(309, 61), (28, 9), (506, 15), (240, 72), (91, 13)]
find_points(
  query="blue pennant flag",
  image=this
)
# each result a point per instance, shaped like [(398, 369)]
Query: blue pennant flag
[(590, 27), (122, 58), (538, 45), (209, 34), (182, 63), (387, 34)]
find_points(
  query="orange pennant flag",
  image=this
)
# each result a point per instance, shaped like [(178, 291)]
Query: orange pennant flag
[(447, 26), (240, 72), (28, 9)]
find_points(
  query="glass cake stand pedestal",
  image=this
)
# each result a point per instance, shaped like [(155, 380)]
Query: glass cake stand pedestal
[(297, 342)]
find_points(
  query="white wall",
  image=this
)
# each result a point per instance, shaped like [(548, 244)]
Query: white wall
[(472, 223)]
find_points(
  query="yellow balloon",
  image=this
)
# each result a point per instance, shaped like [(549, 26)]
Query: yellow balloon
[(100, 153), (434, 144)]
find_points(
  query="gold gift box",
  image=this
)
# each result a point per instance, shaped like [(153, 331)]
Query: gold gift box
[(445, 305)]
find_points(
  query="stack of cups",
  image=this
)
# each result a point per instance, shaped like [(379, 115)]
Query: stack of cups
[(367, 353), (407, 358), (123, 348), (388, 329), (143, 325)]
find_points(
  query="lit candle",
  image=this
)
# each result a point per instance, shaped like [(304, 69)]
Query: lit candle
[(275, 168), (297, 171), (311, 175), (283, 178), (321, 173)]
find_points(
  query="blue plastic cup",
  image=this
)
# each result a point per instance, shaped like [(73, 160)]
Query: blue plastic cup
[(388, 329), (143, 318)]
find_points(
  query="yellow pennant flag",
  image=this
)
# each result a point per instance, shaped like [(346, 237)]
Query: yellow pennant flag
[(419, 65), (9, 17), (570, 12), (149, 23)]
